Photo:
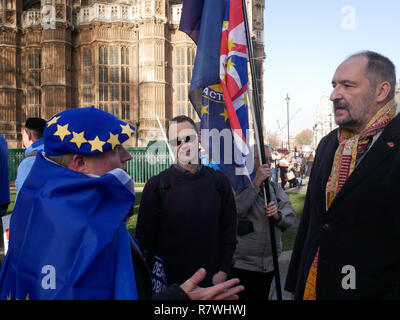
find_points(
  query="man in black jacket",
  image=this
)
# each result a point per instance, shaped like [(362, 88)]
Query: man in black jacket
[(347, 242)]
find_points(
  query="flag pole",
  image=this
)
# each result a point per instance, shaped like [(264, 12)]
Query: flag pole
[(165, 139), (256, 113)]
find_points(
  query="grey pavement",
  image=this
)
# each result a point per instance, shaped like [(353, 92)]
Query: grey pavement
[(283, 260)]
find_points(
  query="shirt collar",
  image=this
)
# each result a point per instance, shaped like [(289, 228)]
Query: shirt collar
[(185, 171), (37, 145)]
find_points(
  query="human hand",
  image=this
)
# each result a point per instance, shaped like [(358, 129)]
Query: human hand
[(226, 290), (272, 211), (262, 173), (219, 277)]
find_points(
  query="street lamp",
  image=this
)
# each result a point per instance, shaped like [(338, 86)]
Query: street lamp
[(288, 137)]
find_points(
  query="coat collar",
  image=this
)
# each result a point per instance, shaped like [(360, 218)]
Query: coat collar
[(381, 149)]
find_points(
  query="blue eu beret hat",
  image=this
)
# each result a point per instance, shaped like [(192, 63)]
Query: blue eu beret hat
[(84, 131)]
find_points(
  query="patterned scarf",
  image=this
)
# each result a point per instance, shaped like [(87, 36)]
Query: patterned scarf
[(351, 148)]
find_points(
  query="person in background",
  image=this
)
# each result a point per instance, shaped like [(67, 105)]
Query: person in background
[(274, 165), (32, 141), (4, 181), (253, 255), (283, 167), (310, 161)]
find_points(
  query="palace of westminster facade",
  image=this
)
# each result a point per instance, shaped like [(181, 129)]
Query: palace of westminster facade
[(124, 56)]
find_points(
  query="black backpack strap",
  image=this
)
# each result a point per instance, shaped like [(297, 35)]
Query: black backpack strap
[(217, 179)]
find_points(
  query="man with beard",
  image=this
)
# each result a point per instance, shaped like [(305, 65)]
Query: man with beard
[(347, 241), (187, 214)]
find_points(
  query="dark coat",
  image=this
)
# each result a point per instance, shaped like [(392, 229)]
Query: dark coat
[(196, 227), (360, 229)]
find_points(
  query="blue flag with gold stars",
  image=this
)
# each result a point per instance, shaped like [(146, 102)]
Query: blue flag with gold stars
[(217, 138), (202, 21), (68, 238)]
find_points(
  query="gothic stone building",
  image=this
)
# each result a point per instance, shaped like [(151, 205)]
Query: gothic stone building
[(124, 56)]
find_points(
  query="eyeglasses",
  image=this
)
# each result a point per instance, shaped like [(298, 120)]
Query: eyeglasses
[(177, 142)]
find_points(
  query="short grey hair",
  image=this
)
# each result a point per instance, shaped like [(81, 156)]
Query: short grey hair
[(379, 69), (63, 160)]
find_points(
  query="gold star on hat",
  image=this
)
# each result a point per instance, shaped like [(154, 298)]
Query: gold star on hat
[(62, 131), (113, 140), (53, 121), (96, 144), (126, 129), (78, 138)]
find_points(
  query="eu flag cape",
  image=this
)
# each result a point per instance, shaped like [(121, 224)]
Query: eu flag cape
[(68, 238)]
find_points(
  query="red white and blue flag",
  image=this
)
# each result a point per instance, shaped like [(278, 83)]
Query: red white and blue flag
[(234, 73), (221, 62)]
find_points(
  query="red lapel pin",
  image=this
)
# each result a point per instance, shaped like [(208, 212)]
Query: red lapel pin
[(390, 144)]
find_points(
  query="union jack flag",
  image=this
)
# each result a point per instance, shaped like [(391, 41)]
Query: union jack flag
[(234, 73)]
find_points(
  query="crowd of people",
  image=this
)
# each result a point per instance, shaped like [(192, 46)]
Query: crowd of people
[(290, 169), (197, 237)]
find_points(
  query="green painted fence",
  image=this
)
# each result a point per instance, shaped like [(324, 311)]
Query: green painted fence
[(146, 161)]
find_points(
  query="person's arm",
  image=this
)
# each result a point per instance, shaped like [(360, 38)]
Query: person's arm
[(226, 290), (190, 290), (285, 209), (23, 171), (227, 231), (246, 198)]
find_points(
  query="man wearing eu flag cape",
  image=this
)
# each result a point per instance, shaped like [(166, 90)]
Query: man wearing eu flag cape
[(68, 238)]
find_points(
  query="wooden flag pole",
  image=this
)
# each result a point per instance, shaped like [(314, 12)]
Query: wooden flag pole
[(256, 112)]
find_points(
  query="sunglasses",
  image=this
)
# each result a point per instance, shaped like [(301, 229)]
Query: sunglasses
[(177, 142)]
